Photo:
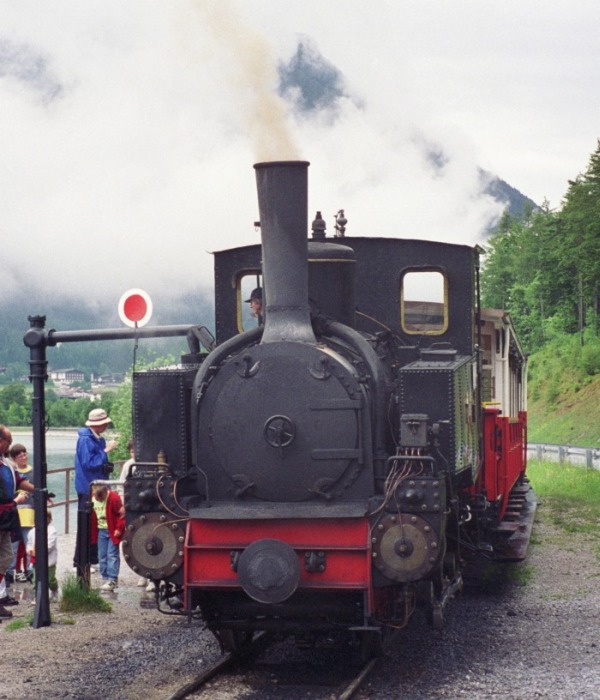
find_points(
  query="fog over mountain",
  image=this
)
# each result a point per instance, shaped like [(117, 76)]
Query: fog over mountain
[(313, 85), (128, 134)]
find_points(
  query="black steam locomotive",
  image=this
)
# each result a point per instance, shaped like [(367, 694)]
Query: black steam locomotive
[(333, 466)]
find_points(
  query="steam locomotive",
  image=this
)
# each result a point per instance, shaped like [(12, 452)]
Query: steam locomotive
[(332, 466)]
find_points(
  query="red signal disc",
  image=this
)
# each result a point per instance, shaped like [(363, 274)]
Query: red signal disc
[(135, 308)]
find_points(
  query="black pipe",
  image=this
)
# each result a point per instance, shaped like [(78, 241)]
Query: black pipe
[(283, 206), (37, 376), (36, 335)]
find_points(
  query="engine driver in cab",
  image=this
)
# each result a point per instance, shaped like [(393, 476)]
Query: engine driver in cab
[(256, 304)]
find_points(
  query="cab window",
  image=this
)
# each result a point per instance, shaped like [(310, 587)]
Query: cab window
[(247, 282), (424, 302)]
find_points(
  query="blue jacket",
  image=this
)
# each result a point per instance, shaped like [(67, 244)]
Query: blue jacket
[(90, 459), (9, 483)]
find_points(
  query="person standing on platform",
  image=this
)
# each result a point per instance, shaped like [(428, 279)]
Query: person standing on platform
[(91, 464), (52, 556), (16, 534), (23, 569), (108, 509), (10, 481)]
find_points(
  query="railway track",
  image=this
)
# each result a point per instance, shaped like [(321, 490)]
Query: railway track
[(287, 678)]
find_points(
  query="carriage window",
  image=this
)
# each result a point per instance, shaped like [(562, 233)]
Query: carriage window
[(247, 285), (424, 302)]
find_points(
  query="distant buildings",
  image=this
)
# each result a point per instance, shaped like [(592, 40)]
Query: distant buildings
[(64, 379), (108, 379), (67, 376), (71, 392)]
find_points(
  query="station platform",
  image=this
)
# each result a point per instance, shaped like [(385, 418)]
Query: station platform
[(66, 549), (128, 579)]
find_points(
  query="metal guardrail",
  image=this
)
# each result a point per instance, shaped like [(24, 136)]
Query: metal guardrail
[(70, 493), (588, 457), (68, 499)]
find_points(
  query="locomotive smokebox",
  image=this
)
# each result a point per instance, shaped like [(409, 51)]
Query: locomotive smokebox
[(283, 206)]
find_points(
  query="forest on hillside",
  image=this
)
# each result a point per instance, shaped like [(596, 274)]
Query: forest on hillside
[(544, 268), (106, 358)]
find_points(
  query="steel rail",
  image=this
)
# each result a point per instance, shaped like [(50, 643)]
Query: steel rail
[(229, 658), (194, 685), (258, 645), (358, 680)]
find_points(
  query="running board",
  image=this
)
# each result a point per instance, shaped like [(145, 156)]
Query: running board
[(517, 524)]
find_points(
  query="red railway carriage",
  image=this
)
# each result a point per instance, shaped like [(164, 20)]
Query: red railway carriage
[(332, 464)]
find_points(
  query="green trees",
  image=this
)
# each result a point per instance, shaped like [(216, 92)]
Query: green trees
[(544, 268), (15, 407), (120, 410), (580, 248)]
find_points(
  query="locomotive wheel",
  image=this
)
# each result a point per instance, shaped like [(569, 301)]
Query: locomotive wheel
[(426, 598), (371, 645), (441, 573), (438, 581), (425, 595), (450, 565), (234, 641), (437, 617)]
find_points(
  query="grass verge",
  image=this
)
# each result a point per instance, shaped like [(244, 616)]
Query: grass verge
[(19, 624), (571, 498), (78, 598)]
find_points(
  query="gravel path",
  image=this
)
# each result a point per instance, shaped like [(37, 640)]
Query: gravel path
[(537, 640)]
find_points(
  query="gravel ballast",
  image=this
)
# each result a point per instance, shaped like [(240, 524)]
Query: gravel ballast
[(537, 639)]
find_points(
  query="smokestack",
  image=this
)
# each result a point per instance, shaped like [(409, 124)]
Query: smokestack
[(283, 205)]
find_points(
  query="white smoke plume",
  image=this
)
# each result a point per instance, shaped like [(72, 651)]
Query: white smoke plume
[(252, 72), (128, 131)]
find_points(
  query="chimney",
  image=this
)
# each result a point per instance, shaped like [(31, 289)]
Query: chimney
[(283, 205)]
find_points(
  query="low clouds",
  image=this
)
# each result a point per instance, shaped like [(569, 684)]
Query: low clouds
[(128, 133), (27, 69)]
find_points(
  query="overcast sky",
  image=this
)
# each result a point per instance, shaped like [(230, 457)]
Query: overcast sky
[(128, 130)]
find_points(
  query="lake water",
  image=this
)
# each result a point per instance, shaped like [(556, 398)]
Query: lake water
[(60, 453)]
